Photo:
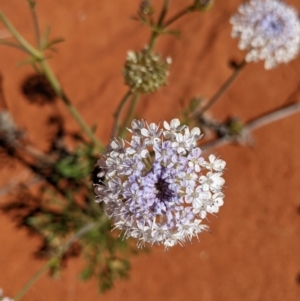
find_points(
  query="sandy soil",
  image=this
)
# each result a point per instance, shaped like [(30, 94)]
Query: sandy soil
[(253, 252)]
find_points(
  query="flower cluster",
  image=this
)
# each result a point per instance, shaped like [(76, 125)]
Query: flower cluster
[(2, 298), (269, 30), (157, 187), (145, 72)]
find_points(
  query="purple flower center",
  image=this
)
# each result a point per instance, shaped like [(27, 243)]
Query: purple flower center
[(163, 192), (272, 25), (159, 191)]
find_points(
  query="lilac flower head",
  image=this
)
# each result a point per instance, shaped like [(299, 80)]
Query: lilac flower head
[(269, 30), (157, 187)]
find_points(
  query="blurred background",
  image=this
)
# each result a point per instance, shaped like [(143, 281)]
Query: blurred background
[(253, 250)]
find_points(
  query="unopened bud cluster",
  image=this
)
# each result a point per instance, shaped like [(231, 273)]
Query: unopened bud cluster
[(203, 4), (146, 8), (145, 71)]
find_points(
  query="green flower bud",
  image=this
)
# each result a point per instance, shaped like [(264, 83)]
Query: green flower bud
[(203, 5), (145, 72), (146, 8)]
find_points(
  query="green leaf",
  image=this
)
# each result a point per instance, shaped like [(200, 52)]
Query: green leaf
[(54, 42), (45, 37), (12, 44), (175, 33)]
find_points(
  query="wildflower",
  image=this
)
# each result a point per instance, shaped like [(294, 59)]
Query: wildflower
[(269, 30), (145, 72), (157, 187)]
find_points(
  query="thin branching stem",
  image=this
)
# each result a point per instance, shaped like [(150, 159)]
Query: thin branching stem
[(35, 25), (163, 12), (117, 114), (178, 15), (32, 281), (39, 57), (273, 116), (255, 124), (61, 94), (158, 27), (130, 112), (37, 54), (224, 87), (153, 37)]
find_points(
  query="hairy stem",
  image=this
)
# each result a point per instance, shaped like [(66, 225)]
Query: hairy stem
[(60, 93)]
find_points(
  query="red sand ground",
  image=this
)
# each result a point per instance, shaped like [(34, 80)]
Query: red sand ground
[(253, 252)]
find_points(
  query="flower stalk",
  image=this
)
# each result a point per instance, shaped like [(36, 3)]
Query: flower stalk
[(224, 87), (74, 112), (130, 112), (117, 114)]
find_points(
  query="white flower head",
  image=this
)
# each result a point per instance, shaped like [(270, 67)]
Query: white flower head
[(157, 187), (269, 30)]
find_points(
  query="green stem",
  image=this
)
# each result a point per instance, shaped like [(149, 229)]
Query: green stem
[(14, 45), (131, 109), (224, 87), (163, 12), (154, 35), (60, 93), (32, 280), (118, 112), (177, 16), (156, 30), (35, 24), (37, 54)]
